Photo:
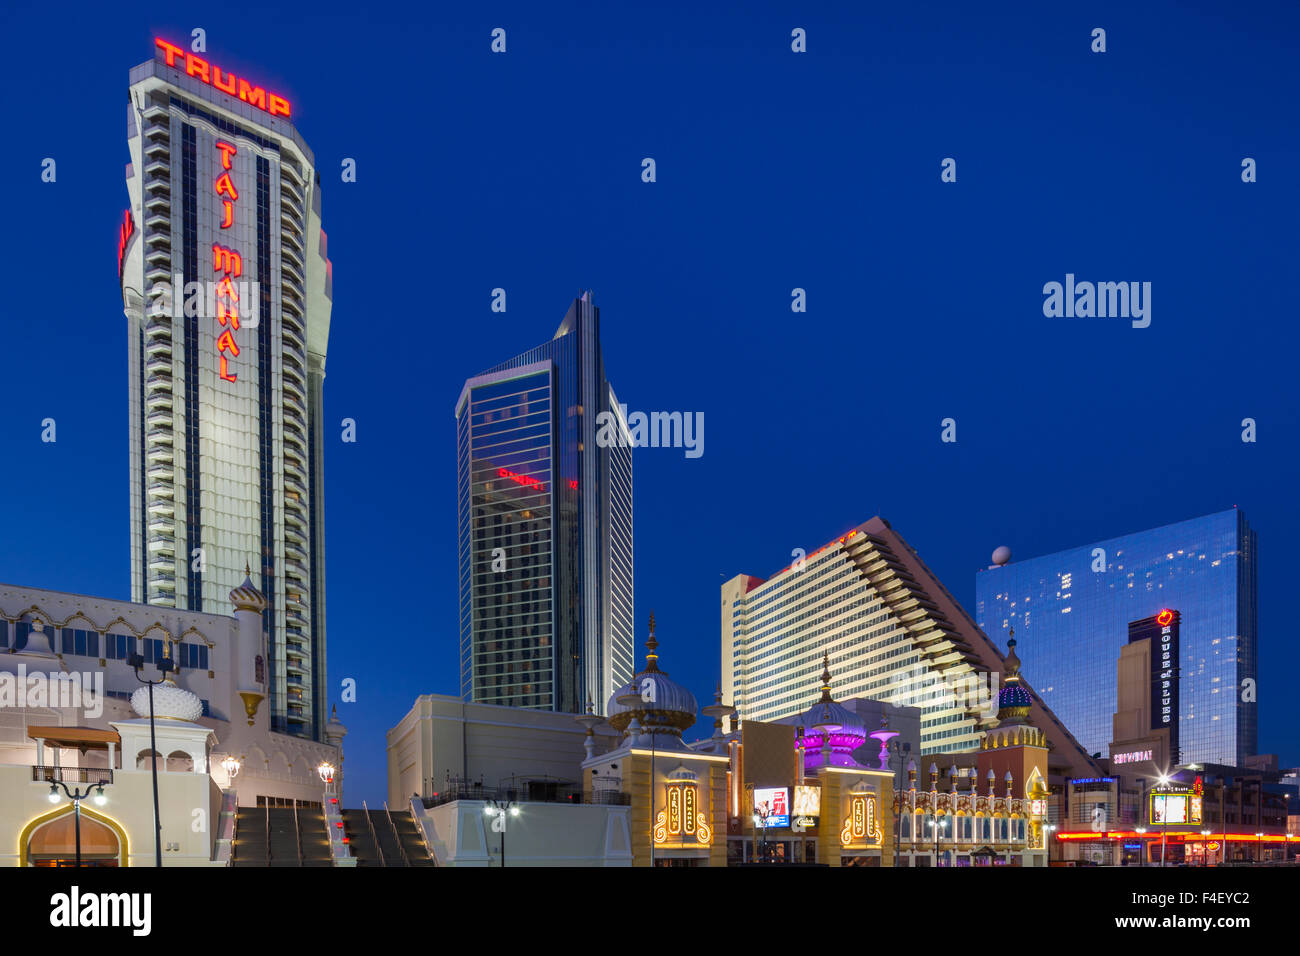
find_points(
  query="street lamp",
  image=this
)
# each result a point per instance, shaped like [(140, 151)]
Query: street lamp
[(761, 814), (326, 773), (1259, 847), (936, 827), (76, 796), (498, 809), (902, 751), (1164, 818), (136, 661), (1205, 848), (1142, 854), (231, 766)]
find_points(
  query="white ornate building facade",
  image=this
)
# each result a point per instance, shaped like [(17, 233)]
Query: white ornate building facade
[(72, 711)]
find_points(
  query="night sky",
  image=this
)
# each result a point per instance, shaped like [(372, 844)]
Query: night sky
[(775, 170)]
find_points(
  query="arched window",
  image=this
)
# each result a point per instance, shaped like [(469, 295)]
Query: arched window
[(143, 762), (178, 761)]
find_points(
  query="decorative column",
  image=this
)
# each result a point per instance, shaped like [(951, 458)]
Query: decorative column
[(250, 651)]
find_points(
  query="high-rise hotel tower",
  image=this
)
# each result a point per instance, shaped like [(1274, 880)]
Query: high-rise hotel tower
[(891, 632), (545, 527), (226, 376)]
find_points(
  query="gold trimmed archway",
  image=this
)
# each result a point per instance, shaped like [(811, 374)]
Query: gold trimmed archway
[(25, 836)]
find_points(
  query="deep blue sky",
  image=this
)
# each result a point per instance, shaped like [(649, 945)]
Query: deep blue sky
[(775, 170)]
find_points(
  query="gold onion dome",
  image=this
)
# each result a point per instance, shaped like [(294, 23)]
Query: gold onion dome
[(665, 706), (247, 597)]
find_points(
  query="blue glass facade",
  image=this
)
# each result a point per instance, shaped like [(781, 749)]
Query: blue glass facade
[(1071, 619), (545, 528)]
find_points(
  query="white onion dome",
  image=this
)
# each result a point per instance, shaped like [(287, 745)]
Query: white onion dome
[(170, 702), (664, 706), (335, 726), (247, 597)]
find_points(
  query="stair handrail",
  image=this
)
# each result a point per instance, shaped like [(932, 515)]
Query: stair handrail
[(268, 834), (419, 829), (373, 835), (297, 831), (325, 825), (406, 860)]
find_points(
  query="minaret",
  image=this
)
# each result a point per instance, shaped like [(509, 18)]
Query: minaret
[(250, 650)]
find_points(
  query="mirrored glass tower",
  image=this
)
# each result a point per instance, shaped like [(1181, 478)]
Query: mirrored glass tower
[(1073, 612), (545, 527)]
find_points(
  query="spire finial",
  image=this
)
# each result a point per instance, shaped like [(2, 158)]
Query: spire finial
[(651, 658), (826, 679), (248, 573)]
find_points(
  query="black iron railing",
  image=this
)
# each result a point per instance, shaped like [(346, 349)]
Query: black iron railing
[(72, 774)]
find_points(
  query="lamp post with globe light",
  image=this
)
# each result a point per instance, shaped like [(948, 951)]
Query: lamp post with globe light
[(1164, 818), (326, 773), (499, 809), (76, 796), (136, 662), (231, 766)]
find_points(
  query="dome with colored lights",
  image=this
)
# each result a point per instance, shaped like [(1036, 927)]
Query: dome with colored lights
[(1014, 699), (663, 705), (828, 719)]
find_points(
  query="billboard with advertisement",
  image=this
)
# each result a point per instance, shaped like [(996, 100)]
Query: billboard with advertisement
[(808, 801), (775, 802)]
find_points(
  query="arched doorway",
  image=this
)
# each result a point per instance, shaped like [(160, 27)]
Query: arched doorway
[(51, 840)]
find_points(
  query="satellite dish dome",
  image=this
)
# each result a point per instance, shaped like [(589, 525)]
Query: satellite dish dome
[(1002, 555)]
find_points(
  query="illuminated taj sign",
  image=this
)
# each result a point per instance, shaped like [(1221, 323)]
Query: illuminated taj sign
[(227, 83), (229, 263), (124, 233), (1132, 756)]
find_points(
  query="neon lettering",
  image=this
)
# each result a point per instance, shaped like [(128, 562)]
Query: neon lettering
[(253, 95), (223, 80), (227, 260), (194, 66), (169, 51), (216, 81), (226, 152), (226, 187)]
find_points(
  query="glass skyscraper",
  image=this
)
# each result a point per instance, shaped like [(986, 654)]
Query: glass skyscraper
[(1072, 619), (226, 390), (545, 527)]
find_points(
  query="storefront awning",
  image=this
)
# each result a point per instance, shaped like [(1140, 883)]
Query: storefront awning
[(75, 738)]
